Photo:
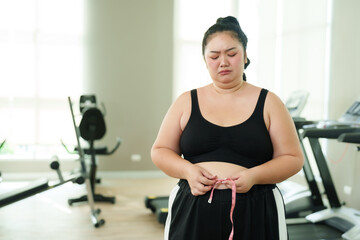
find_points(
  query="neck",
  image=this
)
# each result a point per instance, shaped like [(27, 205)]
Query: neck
[(232, 89)]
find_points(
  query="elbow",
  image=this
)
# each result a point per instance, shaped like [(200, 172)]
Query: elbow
[(300, 162), (153, 155), (157, 155)]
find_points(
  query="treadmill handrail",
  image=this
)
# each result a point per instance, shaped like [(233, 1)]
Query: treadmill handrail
[(330, 133), (309, 175), (300, 123), (325, 174), (350, 137)]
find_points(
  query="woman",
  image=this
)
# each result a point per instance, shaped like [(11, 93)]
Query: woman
[(230, 136)]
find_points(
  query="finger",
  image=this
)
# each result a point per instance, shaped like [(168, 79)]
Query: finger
[(207, 188), (200, 191), (208, 175), (195, 190), (207, 182)]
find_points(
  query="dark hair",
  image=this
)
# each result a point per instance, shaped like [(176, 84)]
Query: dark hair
[(232, 25)]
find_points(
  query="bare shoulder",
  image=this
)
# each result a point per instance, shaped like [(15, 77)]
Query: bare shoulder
[(274, 105), (275, 110), (184, 97), (273, 100), (281, 127), (182, 102)]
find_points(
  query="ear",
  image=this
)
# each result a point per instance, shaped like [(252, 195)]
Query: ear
[(246, 61)]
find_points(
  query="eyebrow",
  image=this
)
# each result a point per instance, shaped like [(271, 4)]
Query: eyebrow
[(225, 50)]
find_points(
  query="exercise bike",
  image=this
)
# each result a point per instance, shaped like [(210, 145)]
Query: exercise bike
[(92, 127)]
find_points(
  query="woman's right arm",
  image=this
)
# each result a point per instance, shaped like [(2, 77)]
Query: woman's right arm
[(166, 154)]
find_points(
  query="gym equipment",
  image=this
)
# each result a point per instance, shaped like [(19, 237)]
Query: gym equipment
[(300, 201), (92, 127), (296, 102), (159, 206), (303, 201), (38, 186), (43, 184), (24, 192), (354, 232), (89, 101), (90, 194), (312, 231), (337, 216)]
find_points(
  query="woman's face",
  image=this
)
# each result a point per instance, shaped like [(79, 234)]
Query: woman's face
[(225, 58)]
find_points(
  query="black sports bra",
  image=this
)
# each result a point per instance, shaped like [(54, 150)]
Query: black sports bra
[(247, 144)]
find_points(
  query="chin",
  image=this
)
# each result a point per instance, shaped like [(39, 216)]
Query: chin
[(226, 81)]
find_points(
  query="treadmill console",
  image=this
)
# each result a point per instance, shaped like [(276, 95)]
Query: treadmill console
[(296, 103), (352, 114), (351, 118)]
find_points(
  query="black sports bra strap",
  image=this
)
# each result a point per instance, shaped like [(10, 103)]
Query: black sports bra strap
[(194, 101), (259, 110)]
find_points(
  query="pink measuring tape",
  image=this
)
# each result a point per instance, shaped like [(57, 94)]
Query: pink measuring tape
[(233, 199)]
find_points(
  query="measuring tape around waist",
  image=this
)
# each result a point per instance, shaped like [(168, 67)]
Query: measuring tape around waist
[(233, 200)]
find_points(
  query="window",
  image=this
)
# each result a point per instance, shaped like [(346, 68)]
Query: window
[(288, 45), (41, 59), (190, 70)]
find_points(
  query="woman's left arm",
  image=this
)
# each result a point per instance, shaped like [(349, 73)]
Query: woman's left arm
[(287, 157)]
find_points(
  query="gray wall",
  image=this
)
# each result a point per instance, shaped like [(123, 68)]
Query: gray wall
[(129, 68)]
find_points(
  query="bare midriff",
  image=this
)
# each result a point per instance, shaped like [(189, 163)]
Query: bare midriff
[(222, 170)]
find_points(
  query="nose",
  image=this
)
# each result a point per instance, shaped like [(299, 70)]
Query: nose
[(224, 61)]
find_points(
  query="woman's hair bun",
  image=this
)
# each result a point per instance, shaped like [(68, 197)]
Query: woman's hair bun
[(228, 19)]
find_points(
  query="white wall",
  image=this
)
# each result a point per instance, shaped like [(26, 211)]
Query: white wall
[(344, 89), (292, 50)]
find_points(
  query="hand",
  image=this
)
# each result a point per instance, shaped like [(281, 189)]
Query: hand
[(244, 181), (200, 180)]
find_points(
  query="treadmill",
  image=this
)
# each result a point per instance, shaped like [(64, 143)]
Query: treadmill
[(337, 216), (354, 232), (299, 200)]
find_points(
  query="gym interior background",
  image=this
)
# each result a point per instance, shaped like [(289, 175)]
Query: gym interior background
[(134, 59)]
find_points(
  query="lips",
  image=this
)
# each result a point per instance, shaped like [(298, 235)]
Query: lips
[(224, 72)]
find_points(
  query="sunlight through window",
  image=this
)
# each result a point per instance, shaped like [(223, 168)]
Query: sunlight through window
[(41, 59)]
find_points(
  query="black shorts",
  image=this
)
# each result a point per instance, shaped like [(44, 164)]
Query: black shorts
[(259, 214)]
